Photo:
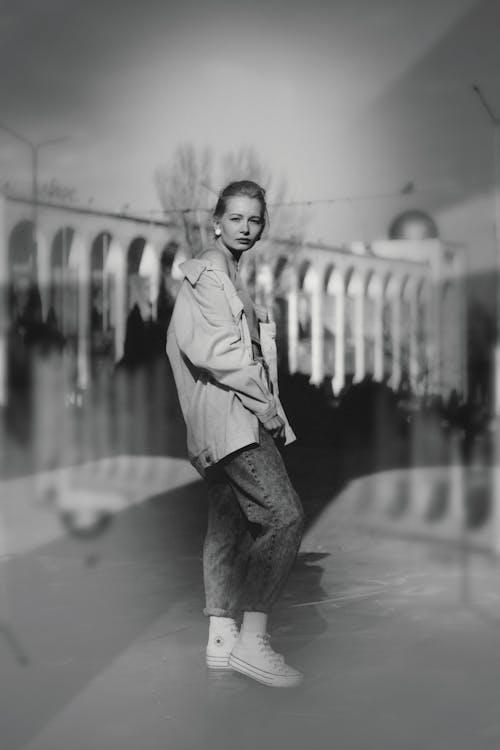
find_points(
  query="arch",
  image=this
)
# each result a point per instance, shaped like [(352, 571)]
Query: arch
[(64, 292), (167, 256), (326, 277), (101, 297), (24, 302), (168, 286), (334, 282), (137, 291), (61, 248), (99, 250), (134, 255), (304, 268), (354, 283), (311, 281), (285, 276), (22, 248), (392, 287), (279, 268)]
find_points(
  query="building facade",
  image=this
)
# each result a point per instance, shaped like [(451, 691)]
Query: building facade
[(394, 309)]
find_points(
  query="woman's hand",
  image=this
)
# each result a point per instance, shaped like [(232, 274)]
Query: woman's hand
[(276, 427)]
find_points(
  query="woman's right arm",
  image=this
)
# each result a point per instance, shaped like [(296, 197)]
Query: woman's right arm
[(210, 338)]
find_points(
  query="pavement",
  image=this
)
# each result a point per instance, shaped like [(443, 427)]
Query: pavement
[(102, 636)]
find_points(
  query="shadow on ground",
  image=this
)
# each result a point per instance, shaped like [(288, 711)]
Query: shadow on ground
[(75, 606)]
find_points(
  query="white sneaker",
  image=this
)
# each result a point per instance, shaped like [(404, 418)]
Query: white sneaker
[(258, 660), (220, 644)]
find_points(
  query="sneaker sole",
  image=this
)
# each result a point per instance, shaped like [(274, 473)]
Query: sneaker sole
[(217, 662), (260, 675)]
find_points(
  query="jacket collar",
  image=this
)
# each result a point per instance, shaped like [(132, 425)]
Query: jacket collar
[(192, 269)]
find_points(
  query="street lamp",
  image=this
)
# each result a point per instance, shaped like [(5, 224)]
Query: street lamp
[(34, 147)]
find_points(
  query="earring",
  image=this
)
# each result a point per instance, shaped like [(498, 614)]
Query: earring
[(217, 232)]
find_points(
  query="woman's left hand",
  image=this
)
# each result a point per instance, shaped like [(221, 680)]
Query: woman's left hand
[(276, 427)]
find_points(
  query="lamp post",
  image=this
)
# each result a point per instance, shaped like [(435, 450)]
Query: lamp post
[(34, 147)]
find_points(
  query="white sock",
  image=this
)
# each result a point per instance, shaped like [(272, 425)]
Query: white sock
[(253, 624), (220, 623)]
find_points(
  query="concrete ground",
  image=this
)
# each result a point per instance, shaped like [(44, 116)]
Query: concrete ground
[(102, 639)]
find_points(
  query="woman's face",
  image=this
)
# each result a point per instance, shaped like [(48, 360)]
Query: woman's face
[(241, 224)]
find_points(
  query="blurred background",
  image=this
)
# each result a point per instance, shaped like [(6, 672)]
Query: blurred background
[(374, 128)]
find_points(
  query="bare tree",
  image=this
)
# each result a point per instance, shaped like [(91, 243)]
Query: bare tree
[(189, 184), (181, 186), (286, 222)]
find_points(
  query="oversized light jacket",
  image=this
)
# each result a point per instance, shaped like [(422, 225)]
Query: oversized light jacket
[(223, 392)]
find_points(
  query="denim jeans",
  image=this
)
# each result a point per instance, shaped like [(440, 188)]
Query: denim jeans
[(255, 523)]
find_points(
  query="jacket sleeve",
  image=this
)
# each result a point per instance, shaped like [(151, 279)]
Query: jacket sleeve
[(208, 335)]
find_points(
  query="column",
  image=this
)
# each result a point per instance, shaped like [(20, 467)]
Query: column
[(293, 328), (120, 279), (378, 356), (83, 278), (43, 270), (359, 343), (396, 340), (339, 377), (317, 344), (413, 338)]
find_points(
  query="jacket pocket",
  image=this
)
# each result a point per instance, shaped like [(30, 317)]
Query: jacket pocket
[(268, 348)]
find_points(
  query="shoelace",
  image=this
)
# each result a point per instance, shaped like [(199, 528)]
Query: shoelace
[(276, 659)]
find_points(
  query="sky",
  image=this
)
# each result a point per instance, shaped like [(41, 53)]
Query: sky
[(347, 101)]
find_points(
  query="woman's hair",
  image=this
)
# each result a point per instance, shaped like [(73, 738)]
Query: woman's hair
[(242, 187)]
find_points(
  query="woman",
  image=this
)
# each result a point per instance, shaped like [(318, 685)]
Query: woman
[(223, 358)]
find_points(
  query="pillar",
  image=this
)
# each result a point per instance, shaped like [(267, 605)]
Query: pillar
[(339, 377), (378, 355), (293, 327), (359, 342), (83, 277), (317, 343), (396, 340), (413, 337)]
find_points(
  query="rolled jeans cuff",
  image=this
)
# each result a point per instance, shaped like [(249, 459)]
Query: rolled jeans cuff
[(217, 612)]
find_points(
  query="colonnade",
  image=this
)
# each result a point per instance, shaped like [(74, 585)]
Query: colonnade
[(339, 314), (85, 284), (345, 324)]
